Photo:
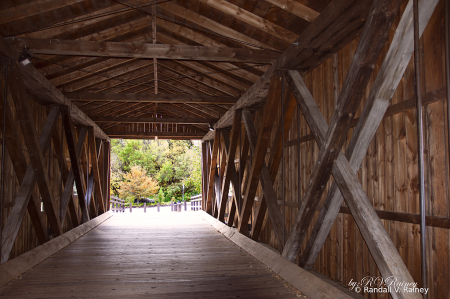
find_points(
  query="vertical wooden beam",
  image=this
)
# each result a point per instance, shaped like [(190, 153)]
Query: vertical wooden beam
[(107, 148), (212, 172), (271, 201), (204, 175), (260, 149), (376, 29), (95, 171), (275, 158), (230, 167), (34, 147), (75, 162), (67, 200)]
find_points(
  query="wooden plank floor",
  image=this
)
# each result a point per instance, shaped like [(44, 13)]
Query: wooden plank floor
[(152, 255)]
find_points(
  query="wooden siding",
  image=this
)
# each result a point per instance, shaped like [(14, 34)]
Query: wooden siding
[(389, 172)]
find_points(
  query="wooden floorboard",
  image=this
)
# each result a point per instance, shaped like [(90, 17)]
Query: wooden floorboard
[(152, 255)]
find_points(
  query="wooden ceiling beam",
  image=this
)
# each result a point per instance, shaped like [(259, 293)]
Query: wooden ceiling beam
[(168, 135), (213, 25), (43, 90), (200, 78), (223, 76), (296, 8), (32, 9), (192, 82), (80, 24), (139, 50), (205, 41), (148, 98), (252, 19), (213, 73), (134, 78), (337, 25), (153, 120), (112, 78), (87, 71)]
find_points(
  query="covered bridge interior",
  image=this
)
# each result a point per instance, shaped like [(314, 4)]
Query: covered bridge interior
[(324, 124)]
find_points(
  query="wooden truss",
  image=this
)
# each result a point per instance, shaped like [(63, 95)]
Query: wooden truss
[(32, 173), (330, 138)]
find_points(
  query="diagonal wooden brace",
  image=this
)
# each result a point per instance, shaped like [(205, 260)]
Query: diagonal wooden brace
[(19, 162), (35, 148), (75, 162), (270, 196), (95, 169), (230, 170), (275, 159), (376, 105), (260, 150), (378, 241), (212, 172), (379, 21), (25, 191)]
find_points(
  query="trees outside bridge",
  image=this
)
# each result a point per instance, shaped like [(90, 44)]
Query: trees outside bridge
[(141, 168)]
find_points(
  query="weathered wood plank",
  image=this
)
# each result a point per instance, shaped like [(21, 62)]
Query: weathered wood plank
[(296, 8), (25, 192), (34, 147), (39, 86), (83, 96), (75, 163), (252, 19), (228, 173), (212, 172), (378, 241), (96, 171), (19, 162), (270, 197), (262, 141), (152, 120), (275, 159), (375, 108), (379, 21), (141, 50), (336, 26)]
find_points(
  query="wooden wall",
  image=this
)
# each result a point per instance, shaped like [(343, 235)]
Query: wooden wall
[(26, 238), (389, 172)]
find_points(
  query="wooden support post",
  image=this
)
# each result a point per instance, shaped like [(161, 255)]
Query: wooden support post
[(158, 206), (266, 183), (275, 159), (67, 198), (376, 28), (95, 170), (107, 179), (204, 175), (145, 207), (212, 172), (75, 162), (270, 111), (230, 169), (35, 148), (375, 108)]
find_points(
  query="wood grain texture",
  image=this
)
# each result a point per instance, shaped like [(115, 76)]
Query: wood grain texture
[(140, 50)]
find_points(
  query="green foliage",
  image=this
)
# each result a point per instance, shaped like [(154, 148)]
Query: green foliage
[(136, 184), (171, 163)]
